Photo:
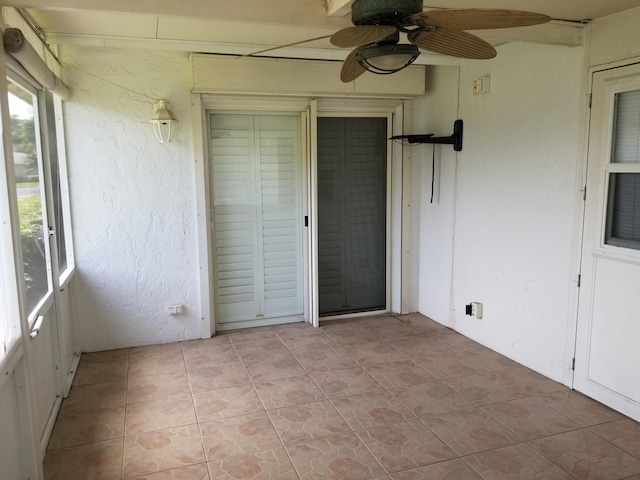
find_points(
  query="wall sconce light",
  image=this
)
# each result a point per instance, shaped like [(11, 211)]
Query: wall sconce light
[(163, 122)]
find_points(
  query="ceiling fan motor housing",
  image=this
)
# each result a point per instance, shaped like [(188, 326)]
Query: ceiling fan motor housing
[(384, 12)]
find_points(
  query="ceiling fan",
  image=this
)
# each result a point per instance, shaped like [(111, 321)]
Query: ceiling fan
[(378, 23)]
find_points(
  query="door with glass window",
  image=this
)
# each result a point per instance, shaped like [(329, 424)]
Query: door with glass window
[(256, 192), (607, 353), (30, 134)]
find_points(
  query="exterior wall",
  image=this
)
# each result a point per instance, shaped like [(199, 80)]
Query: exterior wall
[(507, 226), (132, 198)]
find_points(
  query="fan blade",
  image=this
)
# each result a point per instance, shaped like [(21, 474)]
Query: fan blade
[(351, 69), (362, 35), (478, 19), (453, 42)]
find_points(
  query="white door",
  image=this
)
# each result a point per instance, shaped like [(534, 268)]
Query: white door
[(607, 353), (256, 190), (38, 242)]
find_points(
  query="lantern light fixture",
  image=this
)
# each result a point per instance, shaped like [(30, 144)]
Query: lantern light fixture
[(163, 121)]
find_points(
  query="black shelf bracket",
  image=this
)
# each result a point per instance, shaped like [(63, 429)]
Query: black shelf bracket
[(455, 139)]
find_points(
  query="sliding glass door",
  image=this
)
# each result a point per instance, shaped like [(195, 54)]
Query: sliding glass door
[(352, 214)]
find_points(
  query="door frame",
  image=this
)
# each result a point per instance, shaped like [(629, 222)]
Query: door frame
[(402, 271), (593, 229)]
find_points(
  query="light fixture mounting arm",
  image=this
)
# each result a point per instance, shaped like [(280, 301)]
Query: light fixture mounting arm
[(455, 139)]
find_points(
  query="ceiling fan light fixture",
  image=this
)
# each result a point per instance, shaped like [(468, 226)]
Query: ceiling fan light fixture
[(386, 59)]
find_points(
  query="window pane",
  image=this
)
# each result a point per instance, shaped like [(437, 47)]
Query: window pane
[(623, 217), (33, 232), (626, 133), (59, 220)]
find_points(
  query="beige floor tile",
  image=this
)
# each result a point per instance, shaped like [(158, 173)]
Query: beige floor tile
[(325, 360), (274, 368), (264, 465), (295, 330), (302, 423), (624, 434), (428, 399), (286, 392), (227, 402), (162, 450), (109, 356), (304, 343), (449, 365), (144, 365), (108, 371), (350, 333), (210, 357), (238, 436), (405, 446), (470, 431), (374, 353), (484, 389), (531, 382), (489, 360), (94, 397), (530, 418), (193, 472), (260, 350), (399, 373), (420, 348), (451, 470), (423, 324), (350, 381), (587, 456), (157, 387), (252, 335), (376, 320), (214, 378), (577, 407), (92, 461), (159, 414), (459, 343), (334, 458), (87, 427), (154, 350), (391, 330), (213, 342), (515, 463), (372, 409)]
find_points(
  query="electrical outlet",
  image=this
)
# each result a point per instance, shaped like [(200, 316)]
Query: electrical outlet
[(176, 309), (482, 85), (476, 310)]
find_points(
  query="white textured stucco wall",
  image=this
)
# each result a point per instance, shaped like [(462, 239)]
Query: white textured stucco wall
[(132, 199), (515, 205), (436, 111)]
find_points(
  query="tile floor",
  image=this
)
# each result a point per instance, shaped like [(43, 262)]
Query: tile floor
[(393, 398)]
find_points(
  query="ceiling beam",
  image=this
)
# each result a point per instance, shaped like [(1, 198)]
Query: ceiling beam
[(338, 8)]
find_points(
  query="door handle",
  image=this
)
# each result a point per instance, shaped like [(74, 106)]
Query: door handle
[(36, 327)]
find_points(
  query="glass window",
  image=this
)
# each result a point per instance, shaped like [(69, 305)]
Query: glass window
[(58, 210), (626, 133), (623, 203), (623, 219), (29, 185)]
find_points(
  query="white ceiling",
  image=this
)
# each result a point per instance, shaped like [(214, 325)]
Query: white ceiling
[(245, 26)]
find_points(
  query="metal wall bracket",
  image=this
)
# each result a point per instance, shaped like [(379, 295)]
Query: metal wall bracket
[(455, 139)]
